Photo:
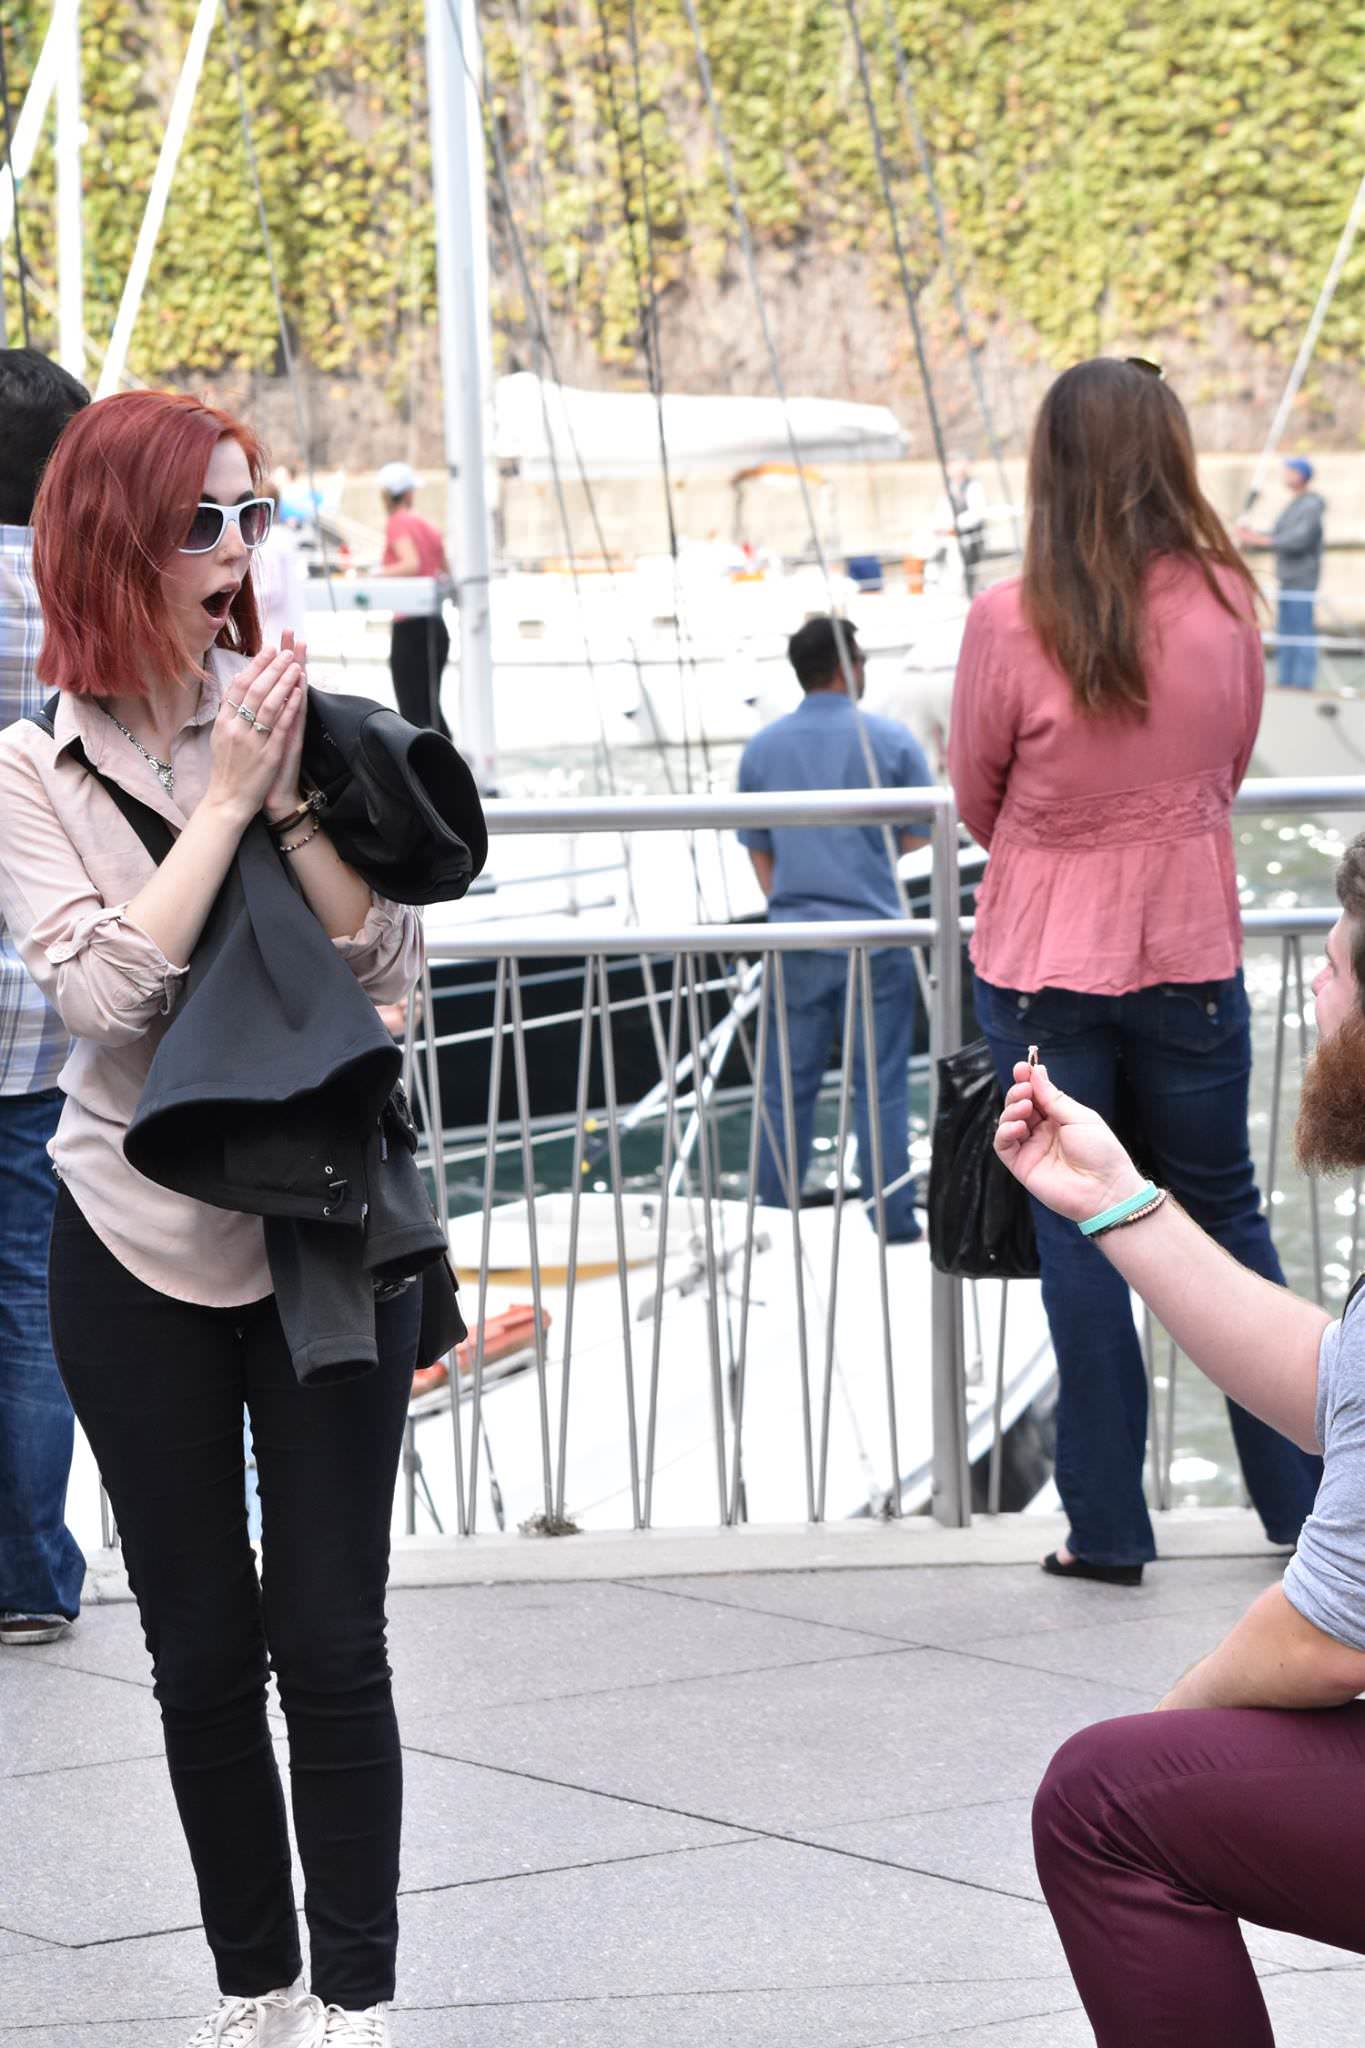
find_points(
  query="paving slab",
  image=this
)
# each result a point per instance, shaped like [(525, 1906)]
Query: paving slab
[(827, 1744), (941, 1606), (464, 1826), (846, 2016), (477, 1648), (598, 1775), (989, 1842), (162, 1985), (1317, 2009), (752, 1917), (1148, 1653), (54, 1719), (106, 1641), (95, 1854)]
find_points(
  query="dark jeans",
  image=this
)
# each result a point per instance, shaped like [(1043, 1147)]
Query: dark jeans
[(418, 652), (1155, 1834), (816, 985), (159, 1387), (1296, 667), (1185, 1054), (41, 1567)]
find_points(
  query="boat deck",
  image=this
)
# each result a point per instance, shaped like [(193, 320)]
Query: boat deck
[(769, 1789)]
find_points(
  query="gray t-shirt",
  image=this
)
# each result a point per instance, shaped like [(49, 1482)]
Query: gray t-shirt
[(1326, 1575), (1296, 538)]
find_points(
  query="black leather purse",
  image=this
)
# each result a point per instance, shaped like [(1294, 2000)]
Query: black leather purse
[(980, 1223)]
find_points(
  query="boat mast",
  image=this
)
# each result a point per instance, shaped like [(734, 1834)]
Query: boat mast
[(70, 257), (454, 66)]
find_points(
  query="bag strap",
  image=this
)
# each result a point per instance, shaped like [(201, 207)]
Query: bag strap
[(149, 825)]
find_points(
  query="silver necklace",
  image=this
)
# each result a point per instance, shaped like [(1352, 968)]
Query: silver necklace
[(165, 773)]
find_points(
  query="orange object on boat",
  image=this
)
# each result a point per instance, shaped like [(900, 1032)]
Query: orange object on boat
[(503, 1335)]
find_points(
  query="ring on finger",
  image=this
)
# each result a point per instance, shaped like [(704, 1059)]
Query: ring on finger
[(245, 711), (263, 730)]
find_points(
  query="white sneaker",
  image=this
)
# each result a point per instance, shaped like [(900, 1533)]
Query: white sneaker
[(287, 2018), (368, 2029)]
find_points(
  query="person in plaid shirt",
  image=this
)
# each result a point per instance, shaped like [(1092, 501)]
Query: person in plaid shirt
[(41, 1566)]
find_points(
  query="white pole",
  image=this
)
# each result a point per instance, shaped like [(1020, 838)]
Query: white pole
[(181, 108), (70, 254), (459, 188), (32, 114), (1307, 345)]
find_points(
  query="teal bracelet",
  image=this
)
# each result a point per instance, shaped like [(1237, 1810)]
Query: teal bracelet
[(1145, 1194)]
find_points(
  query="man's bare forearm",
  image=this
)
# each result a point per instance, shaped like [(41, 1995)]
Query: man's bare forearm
[(1274, 1657), (1256, 1341)]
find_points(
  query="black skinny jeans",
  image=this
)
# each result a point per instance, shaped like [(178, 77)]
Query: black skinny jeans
[(159, 1386), (418, 652)]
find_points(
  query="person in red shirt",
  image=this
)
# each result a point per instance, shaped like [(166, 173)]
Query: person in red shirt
[(420, 646)]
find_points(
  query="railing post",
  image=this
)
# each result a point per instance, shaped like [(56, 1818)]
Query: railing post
[(951, 1492)]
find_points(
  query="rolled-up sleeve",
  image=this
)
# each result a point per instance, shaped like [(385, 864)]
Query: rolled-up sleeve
[(982, 730), (106, 979), (385, 955)]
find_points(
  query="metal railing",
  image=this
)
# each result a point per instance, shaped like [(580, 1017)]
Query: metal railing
[(689, 1352), (703, 1060)]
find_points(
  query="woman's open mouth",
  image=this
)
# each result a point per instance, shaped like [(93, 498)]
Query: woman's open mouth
[(218, 603)]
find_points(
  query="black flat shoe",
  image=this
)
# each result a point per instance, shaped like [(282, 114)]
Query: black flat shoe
[(1106, 1574)]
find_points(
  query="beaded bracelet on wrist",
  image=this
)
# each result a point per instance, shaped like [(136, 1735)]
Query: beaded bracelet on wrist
[(285, 846)]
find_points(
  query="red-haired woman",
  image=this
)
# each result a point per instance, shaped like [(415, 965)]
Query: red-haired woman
[(164, 1323), (1104, 712)]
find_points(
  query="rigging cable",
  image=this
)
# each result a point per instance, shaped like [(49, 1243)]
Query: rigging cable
[(682, 617), (1306, 347), (646, 336), (926, 164), (494, 142), (286, 349), (741, 220), (646, 299), (9, 165), (656, 353), (902, 264)]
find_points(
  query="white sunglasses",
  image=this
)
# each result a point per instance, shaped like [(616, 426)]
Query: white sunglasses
[(252, 519)]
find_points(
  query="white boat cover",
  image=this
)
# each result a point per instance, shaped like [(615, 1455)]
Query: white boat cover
[(615, 433)]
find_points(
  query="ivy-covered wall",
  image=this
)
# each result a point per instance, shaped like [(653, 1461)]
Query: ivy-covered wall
[(1170, 175)]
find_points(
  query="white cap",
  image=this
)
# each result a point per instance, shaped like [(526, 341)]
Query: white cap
[(396, 479)]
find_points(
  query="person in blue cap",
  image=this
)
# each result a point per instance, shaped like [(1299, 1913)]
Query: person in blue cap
[(1296, 538)]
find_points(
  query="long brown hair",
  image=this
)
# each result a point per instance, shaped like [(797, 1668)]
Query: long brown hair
[(1112, 484)]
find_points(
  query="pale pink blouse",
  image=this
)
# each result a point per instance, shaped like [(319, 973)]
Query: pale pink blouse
[(69, 863), (1112, 862)]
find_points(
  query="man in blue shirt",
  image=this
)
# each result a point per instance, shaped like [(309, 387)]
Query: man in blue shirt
[(41, 1567), (836, 871)]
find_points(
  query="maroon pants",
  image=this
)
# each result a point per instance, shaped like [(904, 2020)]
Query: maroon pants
[(1154, 1835)]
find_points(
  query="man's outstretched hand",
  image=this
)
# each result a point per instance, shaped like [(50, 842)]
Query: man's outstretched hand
[(1064, 1153)]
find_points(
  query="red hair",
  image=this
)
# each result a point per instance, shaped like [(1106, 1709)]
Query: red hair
[(115, 502)]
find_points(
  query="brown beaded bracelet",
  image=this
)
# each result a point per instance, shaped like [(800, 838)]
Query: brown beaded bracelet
[(298, 843)]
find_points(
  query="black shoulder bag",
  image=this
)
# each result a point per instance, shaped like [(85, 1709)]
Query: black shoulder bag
[(980, 1224)]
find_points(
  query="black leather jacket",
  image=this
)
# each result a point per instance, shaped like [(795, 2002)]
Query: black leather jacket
[(275, 1088)]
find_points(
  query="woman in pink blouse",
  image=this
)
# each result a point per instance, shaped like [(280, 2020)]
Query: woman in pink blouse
[(164, 1321), (1104, 712)]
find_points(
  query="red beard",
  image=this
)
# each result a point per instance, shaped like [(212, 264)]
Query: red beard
[(1329, 1133)]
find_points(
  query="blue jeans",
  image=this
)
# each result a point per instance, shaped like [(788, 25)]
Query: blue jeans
[(1185, 1054), (816, 986), (1296, 668), (41, 1567)]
